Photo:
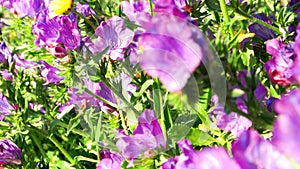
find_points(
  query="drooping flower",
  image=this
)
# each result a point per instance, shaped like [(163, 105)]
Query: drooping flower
[(251, 151), (286, 135), (110, 160), (9, 152), (279, 67), (146, 137), (5, 107), (172, 62), (50, 73), (114, 35), (60, 7)]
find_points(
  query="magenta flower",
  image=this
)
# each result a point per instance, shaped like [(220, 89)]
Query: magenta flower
[(5, 107), (25, 7), (286, 135), (251, 151), (280, 65), (50, 73), (146, 137), (5, 54), (9, 152), (58, 30), (134, 8), (57, 51), (110, 160), (112, 34), (7, 75), (173, 62), (232, 122), (208, 158), (85, 9)]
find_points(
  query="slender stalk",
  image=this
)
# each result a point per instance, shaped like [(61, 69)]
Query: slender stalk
[(100, 98), (238, 11), (62, 150), (225, 15), (38, 143)]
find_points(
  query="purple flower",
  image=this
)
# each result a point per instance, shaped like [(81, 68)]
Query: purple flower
[(133, 8), (85, 10), (50, 73), (29, 7), (22, 63), (296, 67), (147, 136), (7, 75), (280, 65), (270, 103), (5, 54), (260, 31), (114, 35), (5, 107), (260, 92), (251, 151), (232, 122), (286, 135), (293, 3), (172, 49), (24, 7), (110, 160), (58, 30), (9, 152), (83, 100), (208, 158)]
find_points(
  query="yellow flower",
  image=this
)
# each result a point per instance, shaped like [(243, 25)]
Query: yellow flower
[(59, 7)]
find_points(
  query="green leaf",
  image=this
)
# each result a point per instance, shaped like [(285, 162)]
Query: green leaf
[(178, 132), (199, 138), (144, 87)]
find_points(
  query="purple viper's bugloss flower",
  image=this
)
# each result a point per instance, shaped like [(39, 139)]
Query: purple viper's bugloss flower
[(251, 151), (260, 31), (5, 107), (279, 67), (296, 67), (172, 48), (58, 30), (57, 51), (286, 134), (146, 137), (114, 35), (50, 73), (260, 92), (110, 160), (292, 4), (9, 152)]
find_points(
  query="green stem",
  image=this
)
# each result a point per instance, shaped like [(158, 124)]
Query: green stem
[(85, 19), (62, 150), (38, 143), (238, 11), (225, 15), (101, 99), (120, 95), (76, 131)]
